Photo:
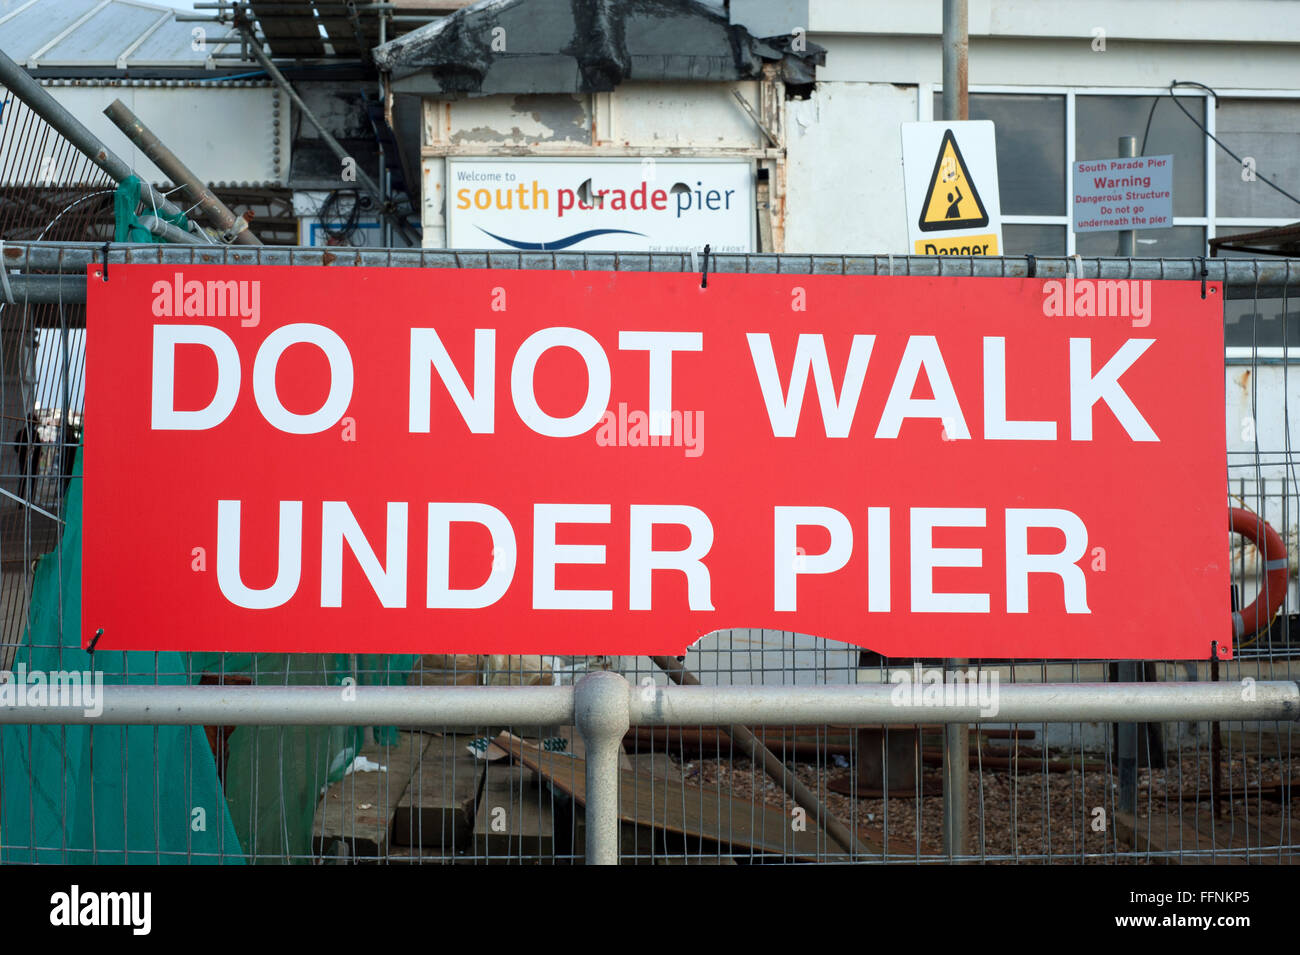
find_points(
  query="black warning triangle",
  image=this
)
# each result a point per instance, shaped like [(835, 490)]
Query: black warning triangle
[(952, 202)]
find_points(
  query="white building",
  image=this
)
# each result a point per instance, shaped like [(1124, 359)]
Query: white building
[(810, 96), (1061, 81)]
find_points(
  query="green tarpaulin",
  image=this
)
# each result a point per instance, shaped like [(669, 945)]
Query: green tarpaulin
[(143, 794)]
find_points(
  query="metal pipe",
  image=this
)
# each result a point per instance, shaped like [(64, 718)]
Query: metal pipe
[(1128, 149), (600, 712), (49, 109), (1216, 747), (956, 738), (196, 193), (168, 232), (775, 768), (1127, 750), (370, 185), (1271, 274), (1015, 703), (310, 706), (48, 289), (956, 773), (1275, 700), (956, 47)]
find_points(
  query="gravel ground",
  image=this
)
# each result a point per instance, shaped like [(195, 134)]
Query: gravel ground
[(1036, 816)]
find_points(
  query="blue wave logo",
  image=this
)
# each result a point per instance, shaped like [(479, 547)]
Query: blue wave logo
[(558, 244)]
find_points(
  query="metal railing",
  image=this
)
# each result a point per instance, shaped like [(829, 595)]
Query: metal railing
[(1042, 769), (603, 706)]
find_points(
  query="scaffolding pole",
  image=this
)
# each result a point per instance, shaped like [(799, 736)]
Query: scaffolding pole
[(197, 195), (49, 109), (364, 180)]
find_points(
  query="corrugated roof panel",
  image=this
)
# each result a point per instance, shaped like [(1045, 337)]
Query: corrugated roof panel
[(172, 42), (11, 8), (27, 27), (101, 39), (33, 28)]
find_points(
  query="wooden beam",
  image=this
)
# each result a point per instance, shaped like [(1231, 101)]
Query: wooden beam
[(682, 809), (514, 821), (354, 818), (437, 809)]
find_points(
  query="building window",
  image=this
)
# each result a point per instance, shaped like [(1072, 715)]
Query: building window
[(1020, 239), (1099, 122), (1031, 150), (1178, 242), (1042, 132), (1266, 132)]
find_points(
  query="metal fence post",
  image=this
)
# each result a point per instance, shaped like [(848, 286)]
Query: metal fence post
[(601, 714), (956, 736)]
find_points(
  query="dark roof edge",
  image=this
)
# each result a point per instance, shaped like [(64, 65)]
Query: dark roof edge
[(457, 52)]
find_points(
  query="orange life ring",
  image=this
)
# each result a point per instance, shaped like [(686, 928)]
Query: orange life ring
[(1253, 619)]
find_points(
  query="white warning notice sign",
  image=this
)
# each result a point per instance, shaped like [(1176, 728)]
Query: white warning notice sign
[(950, 176)]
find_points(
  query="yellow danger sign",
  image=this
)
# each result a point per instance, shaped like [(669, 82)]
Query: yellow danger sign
[(952, 200)]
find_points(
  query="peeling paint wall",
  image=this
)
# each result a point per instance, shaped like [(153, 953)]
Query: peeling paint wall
[(638, 115), (636, 119), (681, 116), (844, 173), (515, 120)]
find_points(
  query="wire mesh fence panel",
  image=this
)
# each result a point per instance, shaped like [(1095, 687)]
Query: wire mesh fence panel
[(688, 794)]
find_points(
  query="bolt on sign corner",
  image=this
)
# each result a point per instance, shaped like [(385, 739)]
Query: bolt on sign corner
[(395, 460)]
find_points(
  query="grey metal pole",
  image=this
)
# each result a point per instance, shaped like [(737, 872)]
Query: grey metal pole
[(956, 737), (1127, 757), (196, 193), (370, 185), (48, 108), (956, 47), (956, 775), (1127, 238), (470, 706), (1242, 274), (165, 230), (47, 289), (600, 708), (457, 706)]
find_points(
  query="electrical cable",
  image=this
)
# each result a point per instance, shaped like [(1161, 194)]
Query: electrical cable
[(1218, 142), (348, 224), (1155, 101)]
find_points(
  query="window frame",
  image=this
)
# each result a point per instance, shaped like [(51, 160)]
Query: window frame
[(1207, 222)]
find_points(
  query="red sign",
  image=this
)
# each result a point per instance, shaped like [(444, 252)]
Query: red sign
[(387, 460)]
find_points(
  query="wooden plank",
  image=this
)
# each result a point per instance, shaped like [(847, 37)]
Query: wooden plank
[(1152, 837), (437, 809), (1241, 833), (677, 808), (513, 821), (656, 766), (651, 769), (354, 818), (1198, 839), (422, 855)]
